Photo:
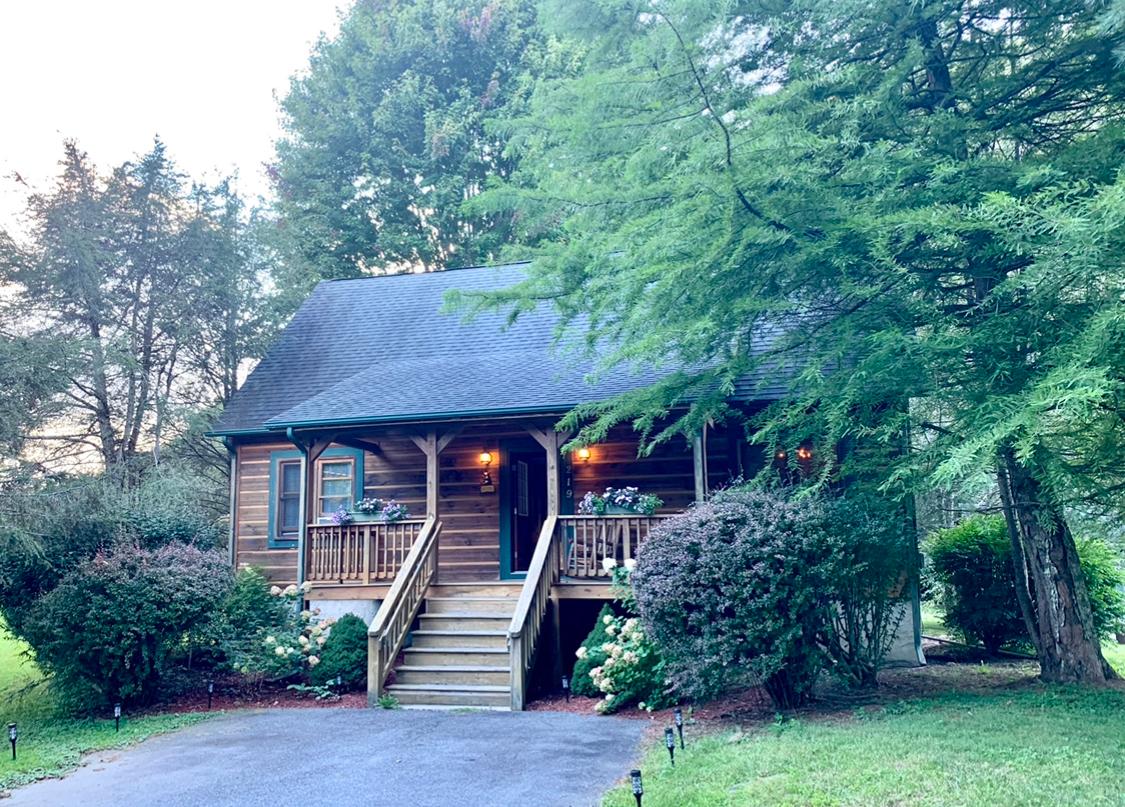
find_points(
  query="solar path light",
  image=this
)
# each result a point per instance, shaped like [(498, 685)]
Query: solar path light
[(13, 735), (566, 688), (210, 692), (117, 717), (678, 716), (670, 742), (638, 785)]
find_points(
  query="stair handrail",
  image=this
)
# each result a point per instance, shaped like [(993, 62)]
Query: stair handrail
[(396, 613), (524, 629)]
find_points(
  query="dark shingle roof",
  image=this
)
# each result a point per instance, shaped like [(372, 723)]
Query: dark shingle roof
[(380, 348)]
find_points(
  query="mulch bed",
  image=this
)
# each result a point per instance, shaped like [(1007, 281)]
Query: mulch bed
[(235, 693)]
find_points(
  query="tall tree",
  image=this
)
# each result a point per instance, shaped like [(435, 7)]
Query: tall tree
[(146, 285), (387, 135), (912, 210)]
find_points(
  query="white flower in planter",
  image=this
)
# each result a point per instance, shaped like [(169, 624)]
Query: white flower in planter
[(609, 564)]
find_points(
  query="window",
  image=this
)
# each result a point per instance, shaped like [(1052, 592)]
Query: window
[(334, 486), (288, 516)]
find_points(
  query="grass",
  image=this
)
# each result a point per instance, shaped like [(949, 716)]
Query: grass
[(1048, 746), (51, 744)]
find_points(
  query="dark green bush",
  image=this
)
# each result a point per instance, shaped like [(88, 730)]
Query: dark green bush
[(115, 624), (736, 592), (590, 656), (344, 655), (973, 562)]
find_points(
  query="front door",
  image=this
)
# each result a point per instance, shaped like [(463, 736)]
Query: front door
[(524, 486)]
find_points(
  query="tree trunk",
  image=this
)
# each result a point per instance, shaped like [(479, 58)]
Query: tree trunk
[(1064, 635)]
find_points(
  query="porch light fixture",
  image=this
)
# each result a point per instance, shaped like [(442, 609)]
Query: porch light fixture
[(678, 718), (583, 454), (637, 784), (486, 485), (670, 742), (804, 453), (13, 735), (117, 717), (780, 454)]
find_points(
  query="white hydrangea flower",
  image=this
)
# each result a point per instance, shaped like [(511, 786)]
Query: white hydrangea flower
[(607, 620), (306, 586), (630, 564), (320, 640), (270, 640), (609, 564), (275, 591), (290, 590), (279, 650), (313, 661), (304, 640), (611, 630), (580, 652)]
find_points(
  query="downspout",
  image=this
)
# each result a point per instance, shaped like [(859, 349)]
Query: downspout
[(232, 537), (302, 532)]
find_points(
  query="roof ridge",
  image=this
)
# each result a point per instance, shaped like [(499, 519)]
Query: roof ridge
[(442, 271)]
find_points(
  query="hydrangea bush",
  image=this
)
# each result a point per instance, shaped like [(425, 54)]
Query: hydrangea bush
[(622, 663), (628, 498), (286, 650)]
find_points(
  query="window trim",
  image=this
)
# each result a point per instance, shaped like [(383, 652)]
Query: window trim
[(277, 510), (318, 486), (274, 541)]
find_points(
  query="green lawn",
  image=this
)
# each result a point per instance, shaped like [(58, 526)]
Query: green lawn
[(50, 745), (1045, 747)]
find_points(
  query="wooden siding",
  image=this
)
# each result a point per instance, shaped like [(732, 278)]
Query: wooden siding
[(469, 547), (252, 516)]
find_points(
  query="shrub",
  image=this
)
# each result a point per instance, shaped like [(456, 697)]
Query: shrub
[(115, 624), (735, 591), (973, 562), (871, 553), (1104, 582), (591, 655), (344, 655)]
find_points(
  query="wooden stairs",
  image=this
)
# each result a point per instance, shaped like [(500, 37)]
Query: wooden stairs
[(458, 657)]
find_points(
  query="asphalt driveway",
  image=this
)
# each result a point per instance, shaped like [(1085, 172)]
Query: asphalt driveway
[(312, 757)]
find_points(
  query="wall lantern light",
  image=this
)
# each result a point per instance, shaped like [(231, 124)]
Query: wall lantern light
[(486, 485), (583, 454), (804, 453), (638, 785)]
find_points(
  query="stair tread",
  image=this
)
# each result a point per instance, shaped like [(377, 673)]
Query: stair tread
[(470, 598), (468, 615), (439, 632), (497, 651), (482, 688), (449, 668)]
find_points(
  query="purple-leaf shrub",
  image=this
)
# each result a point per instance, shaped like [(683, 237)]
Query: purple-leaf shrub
[(736, 591)]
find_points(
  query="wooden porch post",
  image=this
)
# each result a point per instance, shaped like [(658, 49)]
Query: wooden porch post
[(432, 445), (551, 440), (699, 463)]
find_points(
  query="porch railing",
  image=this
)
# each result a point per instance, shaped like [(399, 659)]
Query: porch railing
[(368, 552), (396, 613), (527, 621), (587, 541)]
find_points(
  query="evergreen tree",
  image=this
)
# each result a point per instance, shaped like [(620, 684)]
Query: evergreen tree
[(910, 211)]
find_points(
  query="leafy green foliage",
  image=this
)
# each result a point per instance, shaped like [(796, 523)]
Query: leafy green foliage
[(116, 624), (591, 655), (908, 211), (390, 131), (344, 654), (973, 562)]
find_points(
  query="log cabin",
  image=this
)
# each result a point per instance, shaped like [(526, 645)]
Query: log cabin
[(375, 391)]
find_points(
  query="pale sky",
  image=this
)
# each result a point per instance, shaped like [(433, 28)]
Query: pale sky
[(112, 74)]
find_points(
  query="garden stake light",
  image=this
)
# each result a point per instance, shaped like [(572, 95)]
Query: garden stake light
[(210, 692), (13, 735), (678, 715), (566, 688), (670, 741), (117, 717), (638, 786)]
